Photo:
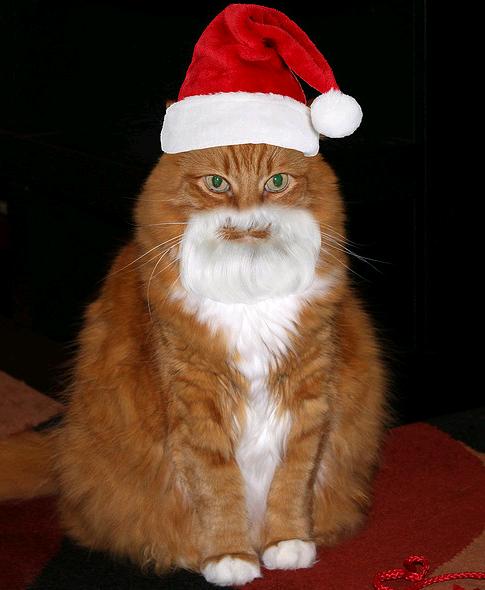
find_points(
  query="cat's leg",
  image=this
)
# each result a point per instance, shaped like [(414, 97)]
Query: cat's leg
[(202, 440), (340, 494), (341, 489), (287, 538)]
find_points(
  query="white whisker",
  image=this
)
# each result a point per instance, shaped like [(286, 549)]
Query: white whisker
[(347, 251), (164, 223), (153, 272), (341, 237), (345, 265), (171, 263), (148, 252), (156, 255), (329, 241)]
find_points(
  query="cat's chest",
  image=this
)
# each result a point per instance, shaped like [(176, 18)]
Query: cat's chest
[(258, 336)]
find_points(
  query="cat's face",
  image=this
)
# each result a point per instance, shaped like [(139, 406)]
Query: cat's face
[(243, 223)]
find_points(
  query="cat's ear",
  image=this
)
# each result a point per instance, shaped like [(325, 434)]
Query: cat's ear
[(169, 102)]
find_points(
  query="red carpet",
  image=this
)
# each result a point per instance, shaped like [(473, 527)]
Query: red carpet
[(429, 500), (29, 537)]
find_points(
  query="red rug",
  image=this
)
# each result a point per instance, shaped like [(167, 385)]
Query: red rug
[(29, 537), (429, 500)]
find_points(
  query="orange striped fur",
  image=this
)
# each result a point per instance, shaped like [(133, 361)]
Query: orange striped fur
[(146, 460)]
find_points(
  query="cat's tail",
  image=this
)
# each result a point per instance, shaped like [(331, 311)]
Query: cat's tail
[(26, 466)]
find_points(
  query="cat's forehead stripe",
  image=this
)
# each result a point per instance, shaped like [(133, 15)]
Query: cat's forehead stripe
[(241, 159), (251, 157)]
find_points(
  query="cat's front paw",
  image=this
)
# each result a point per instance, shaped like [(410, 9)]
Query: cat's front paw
[(290, 555), (229, 571)]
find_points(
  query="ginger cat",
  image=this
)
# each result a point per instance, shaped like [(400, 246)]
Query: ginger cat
[(228, 399)]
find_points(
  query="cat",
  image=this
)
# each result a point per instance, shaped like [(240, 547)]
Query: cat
[(228, 399)]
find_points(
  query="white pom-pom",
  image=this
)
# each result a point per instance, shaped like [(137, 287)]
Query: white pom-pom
[(335, 114)]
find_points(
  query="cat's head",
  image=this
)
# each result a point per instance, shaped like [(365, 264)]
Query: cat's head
[(240, 224)]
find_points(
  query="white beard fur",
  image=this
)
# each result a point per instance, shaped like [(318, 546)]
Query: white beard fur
[(234, 271), (258, 321)]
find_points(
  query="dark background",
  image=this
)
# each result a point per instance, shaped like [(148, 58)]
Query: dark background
[(82, 101)]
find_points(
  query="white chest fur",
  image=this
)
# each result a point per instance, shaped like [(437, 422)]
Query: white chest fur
[(260, 333)]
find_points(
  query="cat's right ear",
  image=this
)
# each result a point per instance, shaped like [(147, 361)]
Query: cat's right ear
[(169, 102)]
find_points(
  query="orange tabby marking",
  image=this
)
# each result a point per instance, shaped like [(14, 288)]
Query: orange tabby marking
[(152, 461)]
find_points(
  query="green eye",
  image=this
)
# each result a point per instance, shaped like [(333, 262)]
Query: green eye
[(217, 184), (277, 183)]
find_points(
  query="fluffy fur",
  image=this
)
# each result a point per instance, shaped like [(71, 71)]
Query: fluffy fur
[(255, 270), (231, 118), (335, 114), (224, 411), (259, 335)]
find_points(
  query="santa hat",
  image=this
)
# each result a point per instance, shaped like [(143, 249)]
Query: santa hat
[(241, 87)]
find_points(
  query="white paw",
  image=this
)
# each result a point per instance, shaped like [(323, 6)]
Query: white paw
[(290, 555), (231, 570)]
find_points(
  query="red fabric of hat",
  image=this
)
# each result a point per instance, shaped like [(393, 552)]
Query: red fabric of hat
[(241, 87)]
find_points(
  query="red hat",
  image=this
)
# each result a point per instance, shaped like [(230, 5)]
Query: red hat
[(241, 87)]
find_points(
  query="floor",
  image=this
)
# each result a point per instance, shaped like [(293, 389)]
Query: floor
[(32, 358)]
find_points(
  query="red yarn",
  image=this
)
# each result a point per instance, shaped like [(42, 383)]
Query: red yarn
[(415, 570)]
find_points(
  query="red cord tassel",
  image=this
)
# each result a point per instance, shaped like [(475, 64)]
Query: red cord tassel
[(415, 570)]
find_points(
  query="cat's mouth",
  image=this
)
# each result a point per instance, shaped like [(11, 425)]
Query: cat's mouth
[(230, 232)]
